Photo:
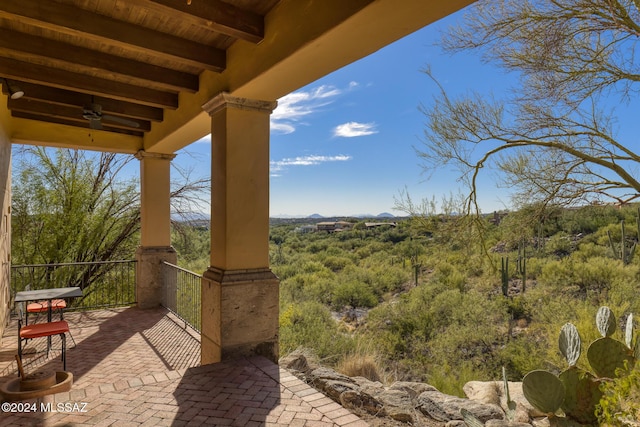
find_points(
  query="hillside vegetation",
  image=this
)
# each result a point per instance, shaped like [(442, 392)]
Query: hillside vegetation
[(352, 298)]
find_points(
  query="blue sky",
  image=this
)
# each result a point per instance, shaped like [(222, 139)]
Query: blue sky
[(344, 145)]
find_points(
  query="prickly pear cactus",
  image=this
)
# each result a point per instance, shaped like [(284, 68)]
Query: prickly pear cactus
[(543, 390), (569, 343), (582, 394), (606, 321), (578, 392), (606, 355)]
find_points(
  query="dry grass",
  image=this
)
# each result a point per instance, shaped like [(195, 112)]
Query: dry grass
[(359, 365)]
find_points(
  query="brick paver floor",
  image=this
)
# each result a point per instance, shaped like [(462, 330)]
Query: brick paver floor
[(136, 367)]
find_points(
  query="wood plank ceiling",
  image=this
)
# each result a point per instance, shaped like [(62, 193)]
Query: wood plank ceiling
[(115, 65)]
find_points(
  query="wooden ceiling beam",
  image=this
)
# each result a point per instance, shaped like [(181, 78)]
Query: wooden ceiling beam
[(218, 16), (64, 79), (26, 46), (75, 21), (69, 98), (40, 118), (69, 113)]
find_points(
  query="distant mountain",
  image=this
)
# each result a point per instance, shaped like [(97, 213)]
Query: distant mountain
[(190, 216), (315, 216), (385, 215)]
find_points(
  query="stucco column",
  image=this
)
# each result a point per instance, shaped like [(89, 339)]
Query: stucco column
[(239, 291), (155, 227)]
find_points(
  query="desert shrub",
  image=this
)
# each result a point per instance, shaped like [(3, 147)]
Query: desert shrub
[(390, 279), (284, 271), (523, 354), (534, 267), (620, 404), (559, 245), (588, 250), (450, 379), (371, 248), (557, 275), (450, 276), (596, 274), (353, 294), (336, 263), (402, 329), (624, 289), (307, 286), (317, 246), (592, 278), (294, 242), (332, 250), (309, 324), (311, 266)]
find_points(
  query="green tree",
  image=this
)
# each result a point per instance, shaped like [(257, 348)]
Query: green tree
[(67, 207), (554, 136), (72, 207)]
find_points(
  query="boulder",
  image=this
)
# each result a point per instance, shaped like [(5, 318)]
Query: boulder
[(361, 401), (295, 361), (414, 389), (443, 407), (491, 391), (483, 391)]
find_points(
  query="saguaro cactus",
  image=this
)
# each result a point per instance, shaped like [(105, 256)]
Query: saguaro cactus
[(504, 276), (625, 254), (521, 264)]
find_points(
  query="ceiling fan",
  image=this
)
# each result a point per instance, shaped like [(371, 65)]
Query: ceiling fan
[(93, 113)]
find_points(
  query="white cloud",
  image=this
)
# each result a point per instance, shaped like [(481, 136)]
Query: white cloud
[(294, 107), (352, 129), (279, 165)]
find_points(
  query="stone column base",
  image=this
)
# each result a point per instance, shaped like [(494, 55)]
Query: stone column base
[(240, 310), (149, 275)]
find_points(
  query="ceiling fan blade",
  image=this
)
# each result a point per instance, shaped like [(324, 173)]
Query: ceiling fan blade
[(121, 120)]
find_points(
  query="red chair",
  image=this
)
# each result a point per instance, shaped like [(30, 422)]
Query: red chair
[(43, 306), (39, 330)]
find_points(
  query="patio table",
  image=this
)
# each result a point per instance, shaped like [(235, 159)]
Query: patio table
[(49, 295)]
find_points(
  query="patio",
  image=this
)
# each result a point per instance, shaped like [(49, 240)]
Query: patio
[(137, 367)]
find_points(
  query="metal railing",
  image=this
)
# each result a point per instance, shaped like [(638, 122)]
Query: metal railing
[(182, 294), (104, 284)]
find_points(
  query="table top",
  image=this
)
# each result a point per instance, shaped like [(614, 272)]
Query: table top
[(48, 294)]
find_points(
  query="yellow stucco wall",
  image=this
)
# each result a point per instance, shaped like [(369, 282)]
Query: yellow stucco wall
[(5, 221)]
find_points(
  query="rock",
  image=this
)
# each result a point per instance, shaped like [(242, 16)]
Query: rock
[(320, 374), (505, 423), (456, 423), (443, 407), (295, 361), (334, 389), (483, 391), (397, 403), (360, 401), (487, 391), (414, 389), (541, 422)]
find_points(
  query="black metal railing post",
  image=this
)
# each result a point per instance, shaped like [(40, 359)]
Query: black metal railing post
[(181, 294), (104, 284)]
